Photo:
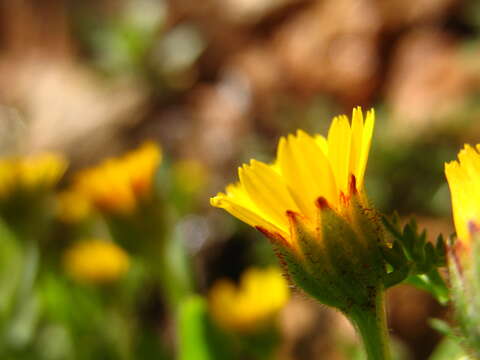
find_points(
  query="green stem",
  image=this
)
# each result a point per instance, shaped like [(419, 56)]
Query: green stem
[(371, 325)]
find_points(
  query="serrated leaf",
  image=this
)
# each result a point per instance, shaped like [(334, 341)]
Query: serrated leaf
[(419, 258)]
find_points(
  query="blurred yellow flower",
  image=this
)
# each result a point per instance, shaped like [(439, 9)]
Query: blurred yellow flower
[(464, 181), (30, 173), (252, 304), (117, 184), (41, 170), (95, 261), (307, 169)]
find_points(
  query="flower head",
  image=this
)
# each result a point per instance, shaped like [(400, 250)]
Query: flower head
[(464, 181), (252, 304), (118, 184), (311, 204), (307, 168), (96, 261), (30, 173)]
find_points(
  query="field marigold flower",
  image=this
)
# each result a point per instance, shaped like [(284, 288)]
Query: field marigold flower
[(117, 184), (30, 173), (251, 305), (96, 261), (311, 204)]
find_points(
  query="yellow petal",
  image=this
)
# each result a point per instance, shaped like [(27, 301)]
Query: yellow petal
[(339, 142), (323, 143), (469, 161), (317, 163), (247, 213), (464, 182), (456, 184), (267, 189), (356, 146), (289, 169), (365, 147)]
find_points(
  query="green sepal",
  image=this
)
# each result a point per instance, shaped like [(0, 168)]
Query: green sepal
[(368, 227), (464, 266), (333, 260), (296, 271), (351, 259)]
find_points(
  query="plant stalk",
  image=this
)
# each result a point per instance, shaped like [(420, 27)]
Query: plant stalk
[(371, 325)]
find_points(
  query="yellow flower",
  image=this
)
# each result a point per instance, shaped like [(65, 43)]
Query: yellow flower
[(464, 181), (43, 170), (117, 184), (96, 261), (252, 304), (30, 173), (307, 168), (311, 204)]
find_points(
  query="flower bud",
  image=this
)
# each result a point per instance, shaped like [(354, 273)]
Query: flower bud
[(464, 254)]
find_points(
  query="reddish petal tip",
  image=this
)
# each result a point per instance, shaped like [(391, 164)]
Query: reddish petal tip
[(353, 184), (291, 214), (264, 231), (275, 237), (322, 203)]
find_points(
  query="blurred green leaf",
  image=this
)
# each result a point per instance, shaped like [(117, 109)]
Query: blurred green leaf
[(10, 268), (193, 333), (20, 303), (198, 338), (448, 349)]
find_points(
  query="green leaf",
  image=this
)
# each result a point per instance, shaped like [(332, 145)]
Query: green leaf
[(415, 260)]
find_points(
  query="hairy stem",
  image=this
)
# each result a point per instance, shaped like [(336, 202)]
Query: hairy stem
[(371, 325)]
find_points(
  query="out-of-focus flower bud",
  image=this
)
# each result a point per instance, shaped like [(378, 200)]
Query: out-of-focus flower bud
[(253, 304), (96, 261), (118, 185), (464, 255)]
